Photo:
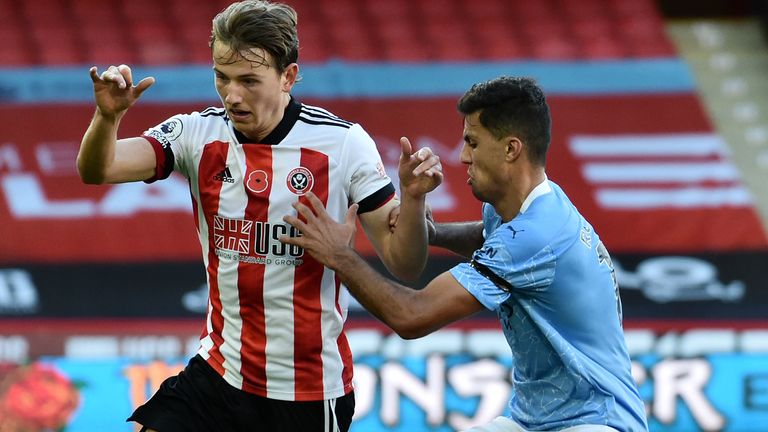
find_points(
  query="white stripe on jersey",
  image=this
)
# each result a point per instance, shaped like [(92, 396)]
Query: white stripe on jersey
[(234, 204), (278, 296)]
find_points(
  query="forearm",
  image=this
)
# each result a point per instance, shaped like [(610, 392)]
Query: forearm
[(406, 256), (97, 149), (394, 304), (462, 238)]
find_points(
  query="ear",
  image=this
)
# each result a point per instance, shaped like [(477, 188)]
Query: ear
[(514, 148), (289, 77)]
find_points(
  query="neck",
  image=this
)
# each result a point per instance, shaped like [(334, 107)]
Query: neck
[(522, 186)]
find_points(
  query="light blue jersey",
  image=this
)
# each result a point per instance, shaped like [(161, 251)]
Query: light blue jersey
[(551, 281)]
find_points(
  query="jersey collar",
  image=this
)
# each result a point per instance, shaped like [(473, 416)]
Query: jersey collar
[(290, 116), (543, 188)]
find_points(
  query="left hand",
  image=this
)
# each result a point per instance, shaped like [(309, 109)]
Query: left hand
[(394, 216), (321, 236), (420, 172)]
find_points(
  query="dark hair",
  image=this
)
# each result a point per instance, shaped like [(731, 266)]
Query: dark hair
[(250, 24), (512, 106)]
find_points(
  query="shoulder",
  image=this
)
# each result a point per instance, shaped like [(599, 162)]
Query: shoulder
[(208, 115), (316, 116)]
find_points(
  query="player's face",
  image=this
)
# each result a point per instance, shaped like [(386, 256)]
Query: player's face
[(254, 93), (484, 156)]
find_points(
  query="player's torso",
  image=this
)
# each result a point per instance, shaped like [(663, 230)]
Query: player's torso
[(274, 307)]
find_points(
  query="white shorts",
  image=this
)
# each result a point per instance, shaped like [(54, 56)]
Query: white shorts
[(505, 424)]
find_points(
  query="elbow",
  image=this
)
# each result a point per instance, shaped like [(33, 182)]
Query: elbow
[(89, 176), (408, 277), (409, 273), (91, 179), (408, 325), (410, 333)]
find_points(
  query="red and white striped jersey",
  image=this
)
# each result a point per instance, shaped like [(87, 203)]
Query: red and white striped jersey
[(275, 316)]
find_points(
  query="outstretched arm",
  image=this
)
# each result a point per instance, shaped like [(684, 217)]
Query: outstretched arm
[(462, 238), (102, 157), (411, 313), (404, 248)]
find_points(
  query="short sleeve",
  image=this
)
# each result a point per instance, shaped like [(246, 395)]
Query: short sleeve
[(507, 265), (167, 140), (365, 170)]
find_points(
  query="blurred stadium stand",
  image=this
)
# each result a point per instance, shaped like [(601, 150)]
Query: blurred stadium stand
[(73, 32), (51, 33)]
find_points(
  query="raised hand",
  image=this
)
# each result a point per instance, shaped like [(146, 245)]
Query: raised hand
[(114, 91), (420, 172)]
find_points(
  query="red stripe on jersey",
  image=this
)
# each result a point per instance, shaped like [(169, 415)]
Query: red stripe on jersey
[(258, 180), (212, 161), (307, 286), (343, 344)]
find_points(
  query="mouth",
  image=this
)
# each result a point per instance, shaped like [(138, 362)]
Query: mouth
[(238, 114)]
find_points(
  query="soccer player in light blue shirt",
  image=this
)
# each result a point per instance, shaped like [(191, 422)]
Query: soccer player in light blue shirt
[(550, 280), (535, 261)]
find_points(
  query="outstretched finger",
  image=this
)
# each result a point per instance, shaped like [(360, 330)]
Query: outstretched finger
[(94, 73), (405, 146), (295, 222), (143, 85), (317, 206), (303, 212)]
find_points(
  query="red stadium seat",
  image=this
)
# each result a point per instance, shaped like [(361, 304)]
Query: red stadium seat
[(554, 47), (482, 11), (16, 56), (497, 40), (104, 55), (388, 10), (438, 9), (313, 43), (604, 48), (50, 12), (94, 11), (354, 30)]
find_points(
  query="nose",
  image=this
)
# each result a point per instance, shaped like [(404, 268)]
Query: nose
[(232, 95), (466, 154)]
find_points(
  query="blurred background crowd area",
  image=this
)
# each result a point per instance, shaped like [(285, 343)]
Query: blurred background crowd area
[(723, 41), (171, 32)]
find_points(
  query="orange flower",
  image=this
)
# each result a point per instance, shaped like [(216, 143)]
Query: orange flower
[(36, 398)]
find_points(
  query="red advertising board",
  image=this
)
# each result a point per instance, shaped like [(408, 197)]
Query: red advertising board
[(647, 170)]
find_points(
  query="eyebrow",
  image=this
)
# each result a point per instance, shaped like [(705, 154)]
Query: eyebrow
[(248, 75)]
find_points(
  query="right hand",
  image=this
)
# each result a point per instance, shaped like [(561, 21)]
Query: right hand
[(114, 91)]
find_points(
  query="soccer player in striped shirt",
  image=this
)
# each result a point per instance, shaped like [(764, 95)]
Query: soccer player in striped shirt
[(534, 260), (273, 354)]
